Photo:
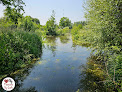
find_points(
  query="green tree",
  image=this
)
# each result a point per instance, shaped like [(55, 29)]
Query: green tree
[(104, 17), (13, 3), (6, 2), (64, 22), (12, 15), (36, 20), (13, 9), (27, 24), (51, 25)]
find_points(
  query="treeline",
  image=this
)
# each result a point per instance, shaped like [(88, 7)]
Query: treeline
[(65, 26), (19, 42), (52, 28), (104, 34)]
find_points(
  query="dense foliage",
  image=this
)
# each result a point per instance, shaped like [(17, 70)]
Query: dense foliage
[(103, 31), (19, 43), (14, 9), (28, 24), (17, 48), (65, 22)]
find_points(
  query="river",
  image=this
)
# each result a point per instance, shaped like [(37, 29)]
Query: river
[(58, 69)]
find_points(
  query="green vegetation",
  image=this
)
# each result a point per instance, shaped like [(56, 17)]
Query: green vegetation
[(93, 76), (19, 42), (28, 24), (18, 48), (103, 33), (65, 22), (63, 31), (51, 25), (80, 35)]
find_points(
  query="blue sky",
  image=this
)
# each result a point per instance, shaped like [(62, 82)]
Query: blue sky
[(42, 9)]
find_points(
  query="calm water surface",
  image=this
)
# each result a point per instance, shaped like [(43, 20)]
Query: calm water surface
[(58, 69)]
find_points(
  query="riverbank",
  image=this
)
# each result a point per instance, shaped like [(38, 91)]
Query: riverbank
[(18, 49)]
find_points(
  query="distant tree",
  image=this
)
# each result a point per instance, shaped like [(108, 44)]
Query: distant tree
[(51, 25), (36, 20), (64, 22), (83, 23)]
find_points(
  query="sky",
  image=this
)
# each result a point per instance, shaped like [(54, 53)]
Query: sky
[(42, 9)]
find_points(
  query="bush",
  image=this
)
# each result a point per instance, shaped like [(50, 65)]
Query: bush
[(17, 48)]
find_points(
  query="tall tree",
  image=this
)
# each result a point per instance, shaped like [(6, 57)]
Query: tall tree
[(64, 22), (51, 25)]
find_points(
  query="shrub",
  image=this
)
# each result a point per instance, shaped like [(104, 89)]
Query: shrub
[(17, 48)]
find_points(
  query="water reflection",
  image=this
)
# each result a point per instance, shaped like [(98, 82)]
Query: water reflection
[(64, 39), (51, 44), (92, 76)]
